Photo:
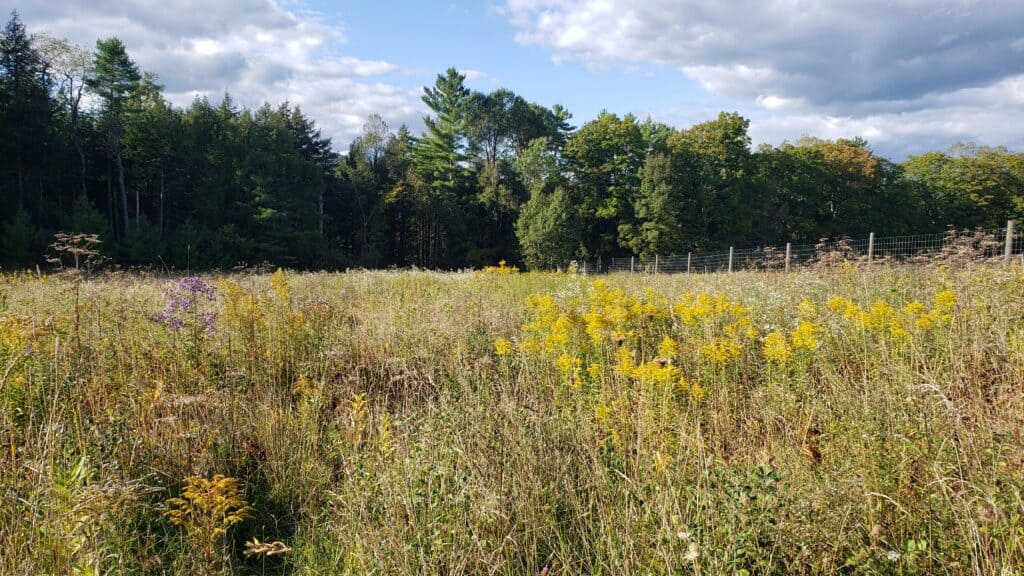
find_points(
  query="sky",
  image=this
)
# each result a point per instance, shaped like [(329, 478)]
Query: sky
[(909, 76)]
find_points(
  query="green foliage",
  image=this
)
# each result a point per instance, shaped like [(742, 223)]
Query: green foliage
[(18, 244)]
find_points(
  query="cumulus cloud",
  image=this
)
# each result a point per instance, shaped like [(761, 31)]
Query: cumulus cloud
[(256, 49), (940, 68)]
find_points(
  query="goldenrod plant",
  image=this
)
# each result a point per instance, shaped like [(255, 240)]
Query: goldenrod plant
[(206, 510)]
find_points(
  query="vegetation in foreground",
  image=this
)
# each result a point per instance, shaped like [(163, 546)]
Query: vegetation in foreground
[(845, 421)]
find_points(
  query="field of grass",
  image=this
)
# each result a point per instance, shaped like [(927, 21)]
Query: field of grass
[(846, 421)]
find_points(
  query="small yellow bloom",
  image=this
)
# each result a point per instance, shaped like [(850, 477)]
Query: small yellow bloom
[(776, 348), (502, 347), (807, 310), (945, 301), (805, 336), (721, 350), (668, 347)]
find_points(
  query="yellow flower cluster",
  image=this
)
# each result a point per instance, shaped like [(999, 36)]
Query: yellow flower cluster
[(15, 332), (899, 323), (279, 282), (502, 347), (722, 350), (608, 322), (501, 269), (776, 348), (242, 308), (806, 336), (207, 508)]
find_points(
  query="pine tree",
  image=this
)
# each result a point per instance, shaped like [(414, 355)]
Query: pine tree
[(26, 109), (115, 79)]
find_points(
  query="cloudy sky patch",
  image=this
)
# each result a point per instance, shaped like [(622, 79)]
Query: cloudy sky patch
[(909, 75)]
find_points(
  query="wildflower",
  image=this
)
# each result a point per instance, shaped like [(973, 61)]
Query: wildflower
[(668, 347), (898, 332), (207, 508), (655, 371), (697, 391), (914, 308), (776, 348), (721, 350), (805, 336), (566, 362), (945, 301), (280, 284), (501, 269), (502, 347), (625, 365), (183, 302), (806, 310)]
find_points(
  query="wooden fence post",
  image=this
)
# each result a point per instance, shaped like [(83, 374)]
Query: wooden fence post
[(789, 247), (631, 264), (730, 258), (871, 247), (655, 263), (1009, 242), (688, 256)]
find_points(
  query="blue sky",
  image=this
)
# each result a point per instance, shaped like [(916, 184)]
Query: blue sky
[(907, 75), (475, 37)]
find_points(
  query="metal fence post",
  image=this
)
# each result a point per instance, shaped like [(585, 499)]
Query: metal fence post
[(730, 258), (631, 264), (584, 267), (1009, 241), (789, 247), (871, 247), (655, 263), (688, 256)]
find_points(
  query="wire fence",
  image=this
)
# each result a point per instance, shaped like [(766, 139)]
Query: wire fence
[(999, 244)]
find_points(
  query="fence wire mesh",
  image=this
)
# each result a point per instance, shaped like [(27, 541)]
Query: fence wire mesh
[(954, 245)]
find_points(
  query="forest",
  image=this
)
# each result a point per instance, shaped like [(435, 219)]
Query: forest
[(91, 145)]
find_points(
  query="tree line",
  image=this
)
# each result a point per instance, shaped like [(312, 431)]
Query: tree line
[(91, 145)]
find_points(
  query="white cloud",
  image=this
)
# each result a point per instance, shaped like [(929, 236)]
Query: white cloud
[(901, 71), (256, 49)]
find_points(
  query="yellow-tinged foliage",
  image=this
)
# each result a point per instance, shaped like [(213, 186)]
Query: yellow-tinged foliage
[(207, 508)]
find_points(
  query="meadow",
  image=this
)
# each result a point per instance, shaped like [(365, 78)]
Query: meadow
[(843, 420)]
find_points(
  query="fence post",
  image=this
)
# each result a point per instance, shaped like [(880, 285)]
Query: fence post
[(789, 247), (730, 258), (871, 247), (655, 263), (631, 264), (688, 256), (584, 267), (1009, 241)]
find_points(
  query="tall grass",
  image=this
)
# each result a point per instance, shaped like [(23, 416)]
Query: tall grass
[(374, 427)]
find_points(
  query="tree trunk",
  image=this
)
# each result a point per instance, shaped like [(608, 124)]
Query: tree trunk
[(120, 182), (76, 138), (160, 218), (110, 200)]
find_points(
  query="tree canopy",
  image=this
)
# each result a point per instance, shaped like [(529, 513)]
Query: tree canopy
[(89, 143)]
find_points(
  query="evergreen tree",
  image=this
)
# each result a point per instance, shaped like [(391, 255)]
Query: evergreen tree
[(115, 78), (27, 119), (440, 161)]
